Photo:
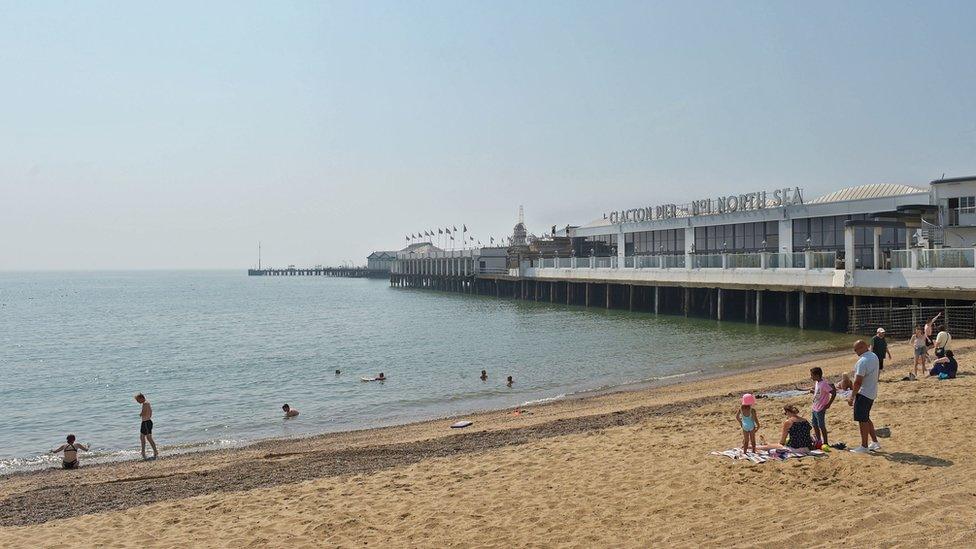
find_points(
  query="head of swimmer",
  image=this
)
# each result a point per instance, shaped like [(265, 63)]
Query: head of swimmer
[(140, 398)]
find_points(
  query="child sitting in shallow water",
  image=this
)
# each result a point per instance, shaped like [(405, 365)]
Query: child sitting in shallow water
[(749, 421)]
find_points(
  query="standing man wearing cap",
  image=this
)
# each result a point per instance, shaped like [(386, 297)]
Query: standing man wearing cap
[(863, 395), (879, 346)]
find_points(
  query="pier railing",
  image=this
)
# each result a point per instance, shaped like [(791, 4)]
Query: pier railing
[(942, 258)]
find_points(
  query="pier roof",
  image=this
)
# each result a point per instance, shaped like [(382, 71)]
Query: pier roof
[(863, 192)]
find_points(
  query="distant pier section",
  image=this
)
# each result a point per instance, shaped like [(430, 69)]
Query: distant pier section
[(336, 272)]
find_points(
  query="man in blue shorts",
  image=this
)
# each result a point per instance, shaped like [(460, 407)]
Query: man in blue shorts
[(863, 395)]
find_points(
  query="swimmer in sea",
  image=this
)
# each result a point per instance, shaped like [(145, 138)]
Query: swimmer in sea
[(338, 372), (70, 449), (509, 381), (381, 377), (289, 411), (484, 375)]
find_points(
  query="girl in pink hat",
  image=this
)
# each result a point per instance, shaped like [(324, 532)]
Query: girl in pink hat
[(749, 421)]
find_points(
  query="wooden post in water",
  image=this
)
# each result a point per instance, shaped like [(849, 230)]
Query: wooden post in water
[(758, 306), (630, 301), (552, 292), (586, 301), (718, 305), (609, 290), (685, 299), (657, 299), (803, 307)]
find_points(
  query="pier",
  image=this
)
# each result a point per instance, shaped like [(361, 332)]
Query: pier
[(816, 295), (336, 272)]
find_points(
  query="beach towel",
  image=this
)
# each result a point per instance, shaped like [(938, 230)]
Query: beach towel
[(762, 456), (789, 393)]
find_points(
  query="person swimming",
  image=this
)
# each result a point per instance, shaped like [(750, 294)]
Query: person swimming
[(484, 375), (381, 377), (509, 381), (289, 411), (338, 372), (70, 449)]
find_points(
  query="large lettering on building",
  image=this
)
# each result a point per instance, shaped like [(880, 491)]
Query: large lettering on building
[(710, 206)]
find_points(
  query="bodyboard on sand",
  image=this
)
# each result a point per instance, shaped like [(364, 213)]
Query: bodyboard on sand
[(461, 425)]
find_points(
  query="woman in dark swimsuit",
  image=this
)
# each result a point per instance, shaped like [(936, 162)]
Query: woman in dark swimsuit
[(796, 432), (70, 459)]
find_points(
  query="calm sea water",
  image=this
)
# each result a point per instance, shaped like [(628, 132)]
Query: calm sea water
[(217, 353)]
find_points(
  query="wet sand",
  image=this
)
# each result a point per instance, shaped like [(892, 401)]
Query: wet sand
[(629, 469)]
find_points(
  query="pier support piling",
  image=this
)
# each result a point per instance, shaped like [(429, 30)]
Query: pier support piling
[(803, 307), (758, 306)]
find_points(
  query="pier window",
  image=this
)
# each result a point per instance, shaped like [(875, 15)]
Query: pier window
[(603, 245), (667, 242), (737, 238), (827, 234)]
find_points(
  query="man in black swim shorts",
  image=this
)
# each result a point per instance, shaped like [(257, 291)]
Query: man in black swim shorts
[(146, 427)]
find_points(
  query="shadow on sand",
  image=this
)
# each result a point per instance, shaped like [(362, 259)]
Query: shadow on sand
[(917, 459)]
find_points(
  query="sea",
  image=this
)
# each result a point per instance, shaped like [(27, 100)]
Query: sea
[(217, 353)]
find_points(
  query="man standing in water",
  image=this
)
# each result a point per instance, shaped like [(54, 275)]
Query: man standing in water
[(146, 427), (863, 394)]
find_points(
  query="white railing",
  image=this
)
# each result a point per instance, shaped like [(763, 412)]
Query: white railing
[(672, 261), (492, 270), (647, 262), (947, 258), (743, 261), (944, 258), (822, 260), (706, 261), (785, 260), (901, 259)]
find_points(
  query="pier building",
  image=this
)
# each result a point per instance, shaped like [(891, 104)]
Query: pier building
[(840, 261)]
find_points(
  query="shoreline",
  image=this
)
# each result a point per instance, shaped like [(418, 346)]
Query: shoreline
[(187, 450), (583, 470)]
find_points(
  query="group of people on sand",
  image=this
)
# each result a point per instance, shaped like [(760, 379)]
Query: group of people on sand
[(944, 365), (862, 386), (71, 447)]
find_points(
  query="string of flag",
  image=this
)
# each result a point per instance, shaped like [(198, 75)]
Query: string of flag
[(446, 236)]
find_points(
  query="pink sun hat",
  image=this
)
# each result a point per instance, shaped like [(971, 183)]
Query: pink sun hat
[(748, 399)]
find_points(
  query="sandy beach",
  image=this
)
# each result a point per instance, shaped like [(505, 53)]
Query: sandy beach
[(622, 469)]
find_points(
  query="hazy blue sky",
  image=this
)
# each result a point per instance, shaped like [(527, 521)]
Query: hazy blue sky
[(178, 135)]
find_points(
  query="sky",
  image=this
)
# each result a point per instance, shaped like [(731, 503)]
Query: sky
[(179, 135)]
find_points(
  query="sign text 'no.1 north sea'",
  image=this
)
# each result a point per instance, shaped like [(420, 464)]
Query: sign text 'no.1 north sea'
[(707, 206)]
